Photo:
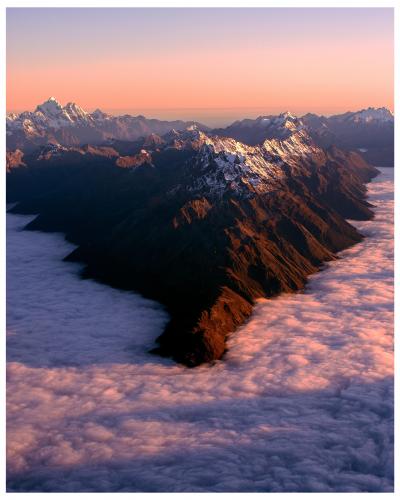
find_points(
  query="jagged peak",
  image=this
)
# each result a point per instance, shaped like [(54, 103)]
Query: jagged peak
[(74, 111), (283, 120), (287, 115), (72, 105), (382, 108), (52, 99), (50, 106), (368, 114)]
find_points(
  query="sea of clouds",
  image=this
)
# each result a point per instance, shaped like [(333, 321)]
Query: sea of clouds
[(303, 400)]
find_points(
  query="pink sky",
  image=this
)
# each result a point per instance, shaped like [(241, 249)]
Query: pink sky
[(204, 62)]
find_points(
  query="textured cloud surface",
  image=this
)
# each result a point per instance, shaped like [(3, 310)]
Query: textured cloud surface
[(303, 400)]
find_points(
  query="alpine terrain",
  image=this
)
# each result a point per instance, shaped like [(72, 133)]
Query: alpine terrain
[(205, 222)]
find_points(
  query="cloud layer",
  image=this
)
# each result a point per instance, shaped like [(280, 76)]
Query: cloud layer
[(303, 400)]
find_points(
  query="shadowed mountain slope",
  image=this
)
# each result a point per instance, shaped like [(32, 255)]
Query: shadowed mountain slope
[(204, 224)]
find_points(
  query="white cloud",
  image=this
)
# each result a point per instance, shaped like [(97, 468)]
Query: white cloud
[(303, 400)]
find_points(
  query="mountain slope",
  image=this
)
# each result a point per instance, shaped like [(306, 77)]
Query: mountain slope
[(203, 224)]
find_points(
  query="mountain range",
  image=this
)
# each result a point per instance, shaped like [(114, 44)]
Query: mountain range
[(70, 125), (369, 131), (203, 221)]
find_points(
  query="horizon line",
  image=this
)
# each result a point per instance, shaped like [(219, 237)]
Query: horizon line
[(112, 110)]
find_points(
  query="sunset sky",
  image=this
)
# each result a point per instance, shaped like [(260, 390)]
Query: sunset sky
[(209, 64)]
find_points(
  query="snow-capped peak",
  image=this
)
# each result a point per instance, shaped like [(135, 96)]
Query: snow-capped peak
[(373, 114), (75, 111), (279, 126), (287, 115), (48, 115), (287, 120), (224, 164), (50, 107)]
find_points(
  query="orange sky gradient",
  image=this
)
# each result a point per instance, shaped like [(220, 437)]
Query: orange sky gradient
[(226, 73)]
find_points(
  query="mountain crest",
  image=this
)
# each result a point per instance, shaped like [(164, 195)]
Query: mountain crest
[(52, 120), (370, 114), (49, 107), (287, 115), (369, 129)]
